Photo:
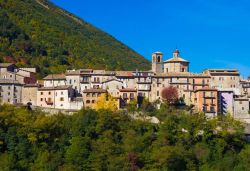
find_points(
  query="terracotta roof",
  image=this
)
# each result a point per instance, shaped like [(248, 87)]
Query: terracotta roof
[(93, 90), (55, 77), (222, 72), (206, 89), (8, 81), (128, 90), (55, 88), (5, 65), (182, 74), (174, 59), (124, 73), (112, 80), (31, 85)]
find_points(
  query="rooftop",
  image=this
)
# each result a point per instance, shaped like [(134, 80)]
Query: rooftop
[(5, 65), (55, 88), (93, 90), (8, 81), (55, 77)]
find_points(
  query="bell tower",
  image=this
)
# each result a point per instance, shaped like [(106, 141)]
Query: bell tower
[(157, 64)]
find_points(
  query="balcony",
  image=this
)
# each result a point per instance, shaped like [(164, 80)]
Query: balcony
[(49, 103)]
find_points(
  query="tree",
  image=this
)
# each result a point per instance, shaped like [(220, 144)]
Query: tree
[(170, 95), (106, 101)]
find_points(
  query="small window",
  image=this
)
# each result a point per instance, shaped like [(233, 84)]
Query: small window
[(93, 101), (41, 93), (87, 101), (49, 92), (243, 108), (61, 92), (158, 94), (41, 99), (61, 99)]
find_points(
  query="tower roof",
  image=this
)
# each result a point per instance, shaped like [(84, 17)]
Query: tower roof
[(176, 58), (160, 53)]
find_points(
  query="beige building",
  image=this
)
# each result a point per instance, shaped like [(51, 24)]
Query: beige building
[(90, 96), (10, 91), (29, 94), (113, 86), (157, 64), (176, 63), (225, 79), (54, 80), (58, 97), (126, 95), (241, 108)]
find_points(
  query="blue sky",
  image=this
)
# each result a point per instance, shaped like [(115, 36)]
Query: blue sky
[(209, 33)]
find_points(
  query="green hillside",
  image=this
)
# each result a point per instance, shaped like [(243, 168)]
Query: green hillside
[(39, 34)]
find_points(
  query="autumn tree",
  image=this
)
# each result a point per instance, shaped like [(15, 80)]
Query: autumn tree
[(106, 101), (170, 94)]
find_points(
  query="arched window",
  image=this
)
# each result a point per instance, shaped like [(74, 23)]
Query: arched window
[(88, 101), (159, 59)]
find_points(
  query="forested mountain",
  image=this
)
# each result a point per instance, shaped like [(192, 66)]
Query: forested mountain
[(39, 34)]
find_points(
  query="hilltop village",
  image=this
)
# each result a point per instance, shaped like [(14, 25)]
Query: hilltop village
[(214, 91)]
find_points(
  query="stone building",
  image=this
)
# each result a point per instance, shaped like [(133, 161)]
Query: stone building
[(10, 91), (29, 94), (58, 97), (90, 96), (54, 80), (225, 79), (176, 63), (157, 63), (241, 108), (206, 100)]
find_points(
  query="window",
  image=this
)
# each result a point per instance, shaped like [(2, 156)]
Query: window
[(61, 99), (49, 99), (41, 99), (8, 100), (158, 93), (8, 93), (243, 108), (159, 59), (124, 95), (8, 87), (183, 69), (41, 93), (49, 92), (61, 92), (212, 109), (87, 101), (131, 95), (93, 101)]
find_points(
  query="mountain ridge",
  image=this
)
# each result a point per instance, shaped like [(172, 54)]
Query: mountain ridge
[(40, 34)]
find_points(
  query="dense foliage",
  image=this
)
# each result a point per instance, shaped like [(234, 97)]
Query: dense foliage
[(105, 140), (39, 34)]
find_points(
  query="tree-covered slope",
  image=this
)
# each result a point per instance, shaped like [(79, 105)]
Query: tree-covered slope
[(39, 34)]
